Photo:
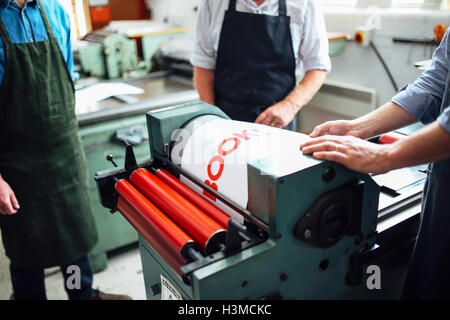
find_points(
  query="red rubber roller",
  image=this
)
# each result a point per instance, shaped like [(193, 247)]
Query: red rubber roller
[(151, 223), (203, 204), (172, 257), (204, 230)]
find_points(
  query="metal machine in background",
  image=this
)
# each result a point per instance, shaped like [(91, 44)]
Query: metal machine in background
[(309, 231), (110, 55), (121, 50)]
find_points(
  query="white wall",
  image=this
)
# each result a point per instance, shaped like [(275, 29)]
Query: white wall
[(180, 14), (359, 65)]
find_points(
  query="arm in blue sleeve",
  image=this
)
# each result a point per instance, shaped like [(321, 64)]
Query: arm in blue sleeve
[(423, 98)]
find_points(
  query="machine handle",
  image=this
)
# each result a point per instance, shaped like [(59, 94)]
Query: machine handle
[(110, 158)]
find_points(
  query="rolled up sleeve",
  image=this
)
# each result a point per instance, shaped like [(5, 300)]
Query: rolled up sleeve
[(423, 98), (314, 46), (204, 55), (419, 103), (444, 119)]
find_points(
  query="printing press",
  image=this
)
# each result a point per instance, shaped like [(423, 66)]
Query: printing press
[(305, 229)]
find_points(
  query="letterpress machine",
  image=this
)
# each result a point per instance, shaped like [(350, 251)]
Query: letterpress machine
[(232, 210)]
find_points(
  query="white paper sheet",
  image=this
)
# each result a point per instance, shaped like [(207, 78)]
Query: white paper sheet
[(218, 153), (87, 97)]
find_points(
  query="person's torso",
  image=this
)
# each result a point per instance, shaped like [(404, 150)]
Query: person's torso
[(296, 10), (26, 26), (42, 156)]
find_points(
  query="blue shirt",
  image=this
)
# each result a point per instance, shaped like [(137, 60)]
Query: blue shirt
[(424, 98), (26, 25)]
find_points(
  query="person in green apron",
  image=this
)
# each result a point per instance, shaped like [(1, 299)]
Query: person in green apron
[(426, 100), (45, 214)]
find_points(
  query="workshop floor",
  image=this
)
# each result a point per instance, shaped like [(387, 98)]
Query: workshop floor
[(123, 275)]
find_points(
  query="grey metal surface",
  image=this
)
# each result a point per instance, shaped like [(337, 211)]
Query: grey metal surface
[(160, 91)]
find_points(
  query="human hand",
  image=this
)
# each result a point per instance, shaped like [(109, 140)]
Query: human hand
[(279, 115), (354, 153), (8, 202), (336, 128)]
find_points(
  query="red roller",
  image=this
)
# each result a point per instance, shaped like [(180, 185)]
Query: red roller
[(172, 257), (207, 207), (154, 225), (204, 230)]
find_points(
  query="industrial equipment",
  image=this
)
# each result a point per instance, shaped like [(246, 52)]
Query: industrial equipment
[(277, 224), (110, 55), (121, 50)]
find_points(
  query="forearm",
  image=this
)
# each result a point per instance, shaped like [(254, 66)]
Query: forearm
[(204, 84), (429, 144), (307, 88), (385, 119)]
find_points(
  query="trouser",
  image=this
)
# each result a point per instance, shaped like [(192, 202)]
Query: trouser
[(428, 276), (30, 284)]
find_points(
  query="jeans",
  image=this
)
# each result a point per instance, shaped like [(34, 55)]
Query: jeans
[(30, 284)]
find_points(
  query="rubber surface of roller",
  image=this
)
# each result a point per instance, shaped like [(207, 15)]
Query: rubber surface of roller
[(204, 230), (163, 229), (203, 204), (173, 258)]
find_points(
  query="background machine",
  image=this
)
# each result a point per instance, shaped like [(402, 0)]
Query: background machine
[(306, 229)]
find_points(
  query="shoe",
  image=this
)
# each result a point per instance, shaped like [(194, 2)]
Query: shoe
[(99, 295)]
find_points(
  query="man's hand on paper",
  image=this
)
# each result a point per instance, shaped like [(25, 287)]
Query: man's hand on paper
[(279, 115), (354, 153)]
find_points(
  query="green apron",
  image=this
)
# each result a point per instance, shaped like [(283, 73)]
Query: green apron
[(41, 157)]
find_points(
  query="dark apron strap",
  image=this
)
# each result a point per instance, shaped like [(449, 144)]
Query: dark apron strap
[(282, 9), (232, 5)]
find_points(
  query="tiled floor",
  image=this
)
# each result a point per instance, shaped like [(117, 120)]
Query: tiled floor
[(123, 275)]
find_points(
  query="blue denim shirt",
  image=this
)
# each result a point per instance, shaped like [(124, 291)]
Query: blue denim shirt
[(425, 98), (26, 25)]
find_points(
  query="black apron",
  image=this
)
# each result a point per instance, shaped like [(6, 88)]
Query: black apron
[(429, 271), (41, 157), (255, 65)]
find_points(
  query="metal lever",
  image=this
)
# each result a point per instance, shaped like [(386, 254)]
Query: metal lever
[(110, 158)]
